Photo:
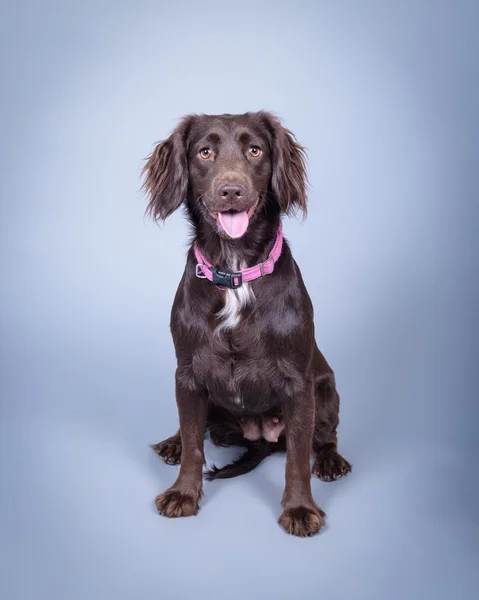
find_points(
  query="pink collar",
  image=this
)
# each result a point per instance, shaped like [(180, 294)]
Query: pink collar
[(205, 270)]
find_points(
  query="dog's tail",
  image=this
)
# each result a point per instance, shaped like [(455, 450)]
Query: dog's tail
[(254, 455)]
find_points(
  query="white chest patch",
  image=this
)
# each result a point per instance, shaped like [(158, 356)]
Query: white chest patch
[(235, 300)]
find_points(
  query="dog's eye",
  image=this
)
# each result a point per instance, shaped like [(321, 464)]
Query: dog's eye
[(206, 152), (254, 151)]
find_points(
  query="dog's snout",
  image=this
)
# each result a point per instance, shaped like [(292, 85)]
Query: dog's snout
[(231, 191)]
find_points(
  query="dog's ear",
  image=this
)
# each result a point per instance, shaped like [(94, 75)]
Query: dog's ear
[(166, 173), (288, 179)]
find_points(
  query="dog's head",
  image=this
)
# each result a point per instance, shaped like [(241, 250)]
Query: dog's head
[(227, 168)]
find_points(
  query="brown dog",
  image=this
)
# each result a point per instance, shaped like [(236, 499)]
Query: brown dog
[(242, 320)]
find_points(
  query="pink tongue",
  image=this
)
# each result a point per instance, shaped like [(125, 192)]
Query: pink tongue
[(234, 223)]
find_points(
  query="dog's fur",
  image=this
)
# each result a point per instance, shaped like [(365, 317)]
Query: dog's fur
[(245, 353)]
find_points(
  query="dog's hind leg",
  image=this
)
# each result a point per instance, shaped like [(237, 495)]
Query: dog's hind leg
[(329, 465), (170, 449)]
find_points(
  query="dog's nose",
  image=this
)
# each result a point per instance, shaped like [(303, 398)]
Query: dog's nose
[(231, 191)]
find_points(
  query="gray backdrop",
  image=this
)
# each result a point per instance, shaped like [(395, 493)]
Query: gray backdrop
[(384, 95)]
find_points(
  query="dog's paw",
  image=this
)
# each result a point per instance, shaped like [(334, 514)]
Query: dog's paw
[(169, 450), (330, 465), (175, 503), (301, 521)]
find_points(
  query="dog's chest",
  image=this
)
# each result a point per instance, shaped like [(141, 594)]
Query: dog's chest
[(239, 344), (229, 317), (242, 371)]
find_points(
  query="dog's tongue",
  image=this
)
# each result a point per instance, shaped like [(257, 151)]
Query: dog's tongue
[(234, 223)]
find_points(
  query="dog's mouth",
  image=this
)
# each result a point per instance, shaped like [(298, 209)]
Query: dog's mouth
[(234, 222)]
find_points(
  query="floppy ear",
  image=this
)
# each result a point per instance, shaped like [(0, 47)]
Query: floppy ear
[(166, 170), (288, 179)]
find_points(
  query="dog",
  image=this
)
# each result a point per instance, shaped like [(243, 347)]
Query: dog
[(249, 371)]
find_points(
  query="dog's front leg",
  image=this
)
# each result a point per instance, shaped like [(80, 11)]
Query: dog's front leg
[(181, 500), (301, 516)]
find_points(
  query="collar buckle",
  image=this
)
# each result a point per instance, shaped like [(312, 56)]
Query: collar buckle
[(229, 280)]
